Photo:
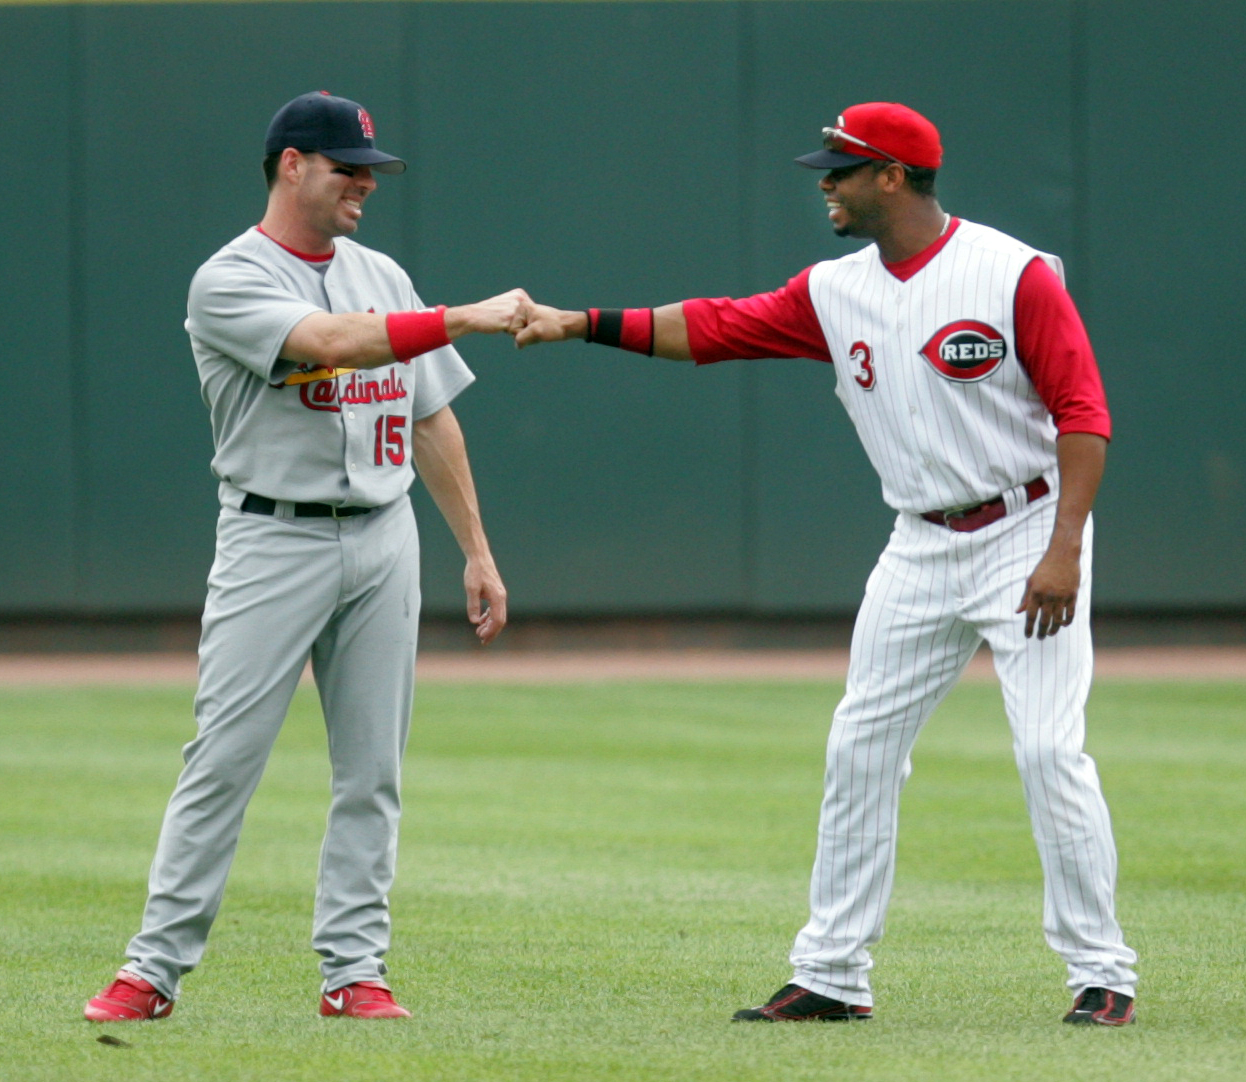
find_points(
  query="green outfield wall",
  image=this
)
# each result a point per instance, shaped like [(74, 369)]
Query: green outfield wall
[(614, 154)]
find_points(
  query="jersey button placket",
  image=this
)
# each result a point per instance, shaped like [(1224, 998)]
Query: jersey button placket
[(356, 450)]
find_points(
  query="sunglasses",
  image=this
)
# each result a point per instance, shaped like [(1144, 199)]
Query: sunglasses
[(838, 140)]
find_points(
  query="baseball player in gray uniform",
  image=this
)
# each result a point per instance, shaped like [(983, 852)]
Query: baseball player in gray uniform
[(329, 385), (966, 370)]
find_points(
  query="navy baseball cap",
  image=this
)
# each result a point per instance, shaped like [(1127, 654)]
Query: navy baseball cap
[(335, 127)]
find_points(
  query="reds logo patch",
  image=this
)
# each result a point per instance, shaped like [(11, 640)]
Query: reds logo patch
[(966, 350), (365, 123)]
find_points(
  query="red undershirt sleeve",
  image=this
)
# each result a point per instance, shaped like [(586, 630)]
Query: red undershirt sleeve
[(1054, 348), (778, 324)]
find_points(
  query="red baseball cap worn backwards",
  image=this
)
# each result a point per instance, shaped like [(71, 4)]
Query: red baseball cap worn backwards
[(878, 131)]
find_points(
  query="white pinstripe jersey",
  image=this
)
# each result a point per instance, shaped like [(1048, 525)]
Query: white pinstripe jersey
[(928, 370)]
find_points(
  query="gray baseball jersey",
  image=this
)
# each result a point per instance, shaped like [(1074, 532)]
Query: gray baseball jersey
[(343, 441)]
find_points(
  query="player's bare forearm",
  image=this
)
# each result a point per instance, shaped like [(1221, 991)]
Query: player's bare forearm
[(670, 333), (546, 324), (362, 339), (339, 340), (441, 458), (1050, 600), (1081, 457)]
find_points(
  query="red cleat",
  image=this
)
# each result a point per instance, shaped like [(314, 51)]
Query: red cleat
[(363, 999), (128, 999)]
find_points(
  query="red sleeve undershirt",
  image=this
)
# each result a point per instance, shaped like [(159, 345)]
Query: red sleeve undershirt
[(1052, 343), (1053, 346), (778, 324)]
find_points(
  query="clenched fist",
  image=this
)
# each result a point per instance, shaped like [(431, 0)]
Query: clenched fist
[(506, 312), (546, 324)]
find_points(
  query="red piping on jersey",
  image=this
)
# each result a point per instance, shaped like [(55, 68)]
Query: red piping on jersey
[(906, 268), (294, 252)]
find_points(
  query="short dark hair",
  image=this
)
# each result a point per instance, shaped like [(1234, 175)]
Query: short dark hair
[(921, 180), (270, 168)]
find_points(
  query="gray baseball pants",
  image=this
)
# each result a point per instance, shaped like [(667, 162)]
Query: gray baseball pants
[(346, 593)]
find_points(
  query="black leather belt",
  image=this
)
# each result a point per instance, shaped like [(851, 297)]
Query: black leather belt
[(262, 505), (968, 519)]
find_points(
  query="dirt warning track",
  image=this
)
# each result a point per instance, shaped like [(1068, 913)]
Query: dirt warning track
[(575, 666)]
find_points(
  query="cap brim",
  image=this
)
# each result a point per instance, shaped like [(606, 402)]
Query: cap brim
[(377, 160), (831, 159)]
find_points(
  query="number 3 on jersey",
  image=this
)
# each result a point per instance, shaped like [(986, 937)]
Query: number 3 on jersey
[(863, 357), (389, 441)]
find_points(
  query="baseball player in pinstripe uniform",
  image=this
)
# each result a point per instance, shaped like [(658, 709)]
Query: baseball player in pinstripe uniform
[(329, 383), (965, 367)]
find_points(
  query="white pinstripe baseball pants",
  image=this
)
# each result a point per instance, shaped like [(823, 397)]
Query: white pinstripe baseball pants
[(932, 598)]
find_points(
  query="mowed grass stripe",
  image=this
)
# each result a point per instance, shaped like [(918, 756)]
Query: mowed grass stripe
[(592, 878)]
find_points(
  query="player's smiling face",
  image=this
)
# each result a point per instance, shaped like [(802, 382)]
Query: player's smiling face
[(332, 194), (851, 195)]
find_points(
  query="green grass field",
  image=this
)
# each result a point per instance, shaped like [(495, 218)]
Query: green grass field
[(593, 878)]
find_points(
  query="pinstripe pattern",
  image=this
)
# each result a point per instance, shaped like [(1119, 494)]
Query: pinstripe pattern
[(932, 598), (936, 442), (936, 594)]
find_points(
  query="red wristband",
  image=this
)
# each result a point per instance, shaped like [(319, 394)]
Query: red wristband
[(413, 333), (637, 330), (624, 328)]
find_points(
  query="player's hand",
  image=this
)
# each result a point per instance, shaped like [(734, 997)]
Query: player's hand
[(546, 324), (506, 312), (1050, 599), (486, 598)]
